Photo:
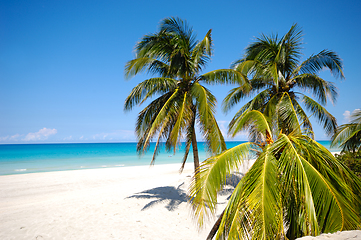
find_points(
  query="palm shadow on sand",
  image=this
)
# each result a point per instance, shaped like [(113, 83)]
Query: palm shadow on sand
[(170, 195), (231, 183), (176, 196)]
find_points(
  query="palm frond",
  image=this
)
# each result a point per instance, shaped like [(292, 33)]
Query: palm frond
[(296, 183), (304, 120), (338, 204), (322, 115), (320, 88), (289, 50), (324, 59), (237, 94), (188, 143), (254, 204), (343, 135), (252, 120), (257, 103), (161, 116), (287, 115), (211, 177), (183, 114), (147, 89), (201, 53), (233, 97), (160, 135), (138, 65), (206, 103), (228, 76)]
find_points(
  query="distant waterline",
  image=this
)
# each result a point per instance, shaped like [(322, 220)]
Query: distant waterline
[(31, 158)]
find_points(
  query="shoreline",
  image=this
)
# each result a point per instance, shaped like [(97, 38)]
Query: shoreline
[(23, 171), (136, 202)]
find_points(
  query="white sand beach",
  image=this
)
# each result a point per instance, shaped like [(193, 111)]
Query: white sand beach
[(113, 203)]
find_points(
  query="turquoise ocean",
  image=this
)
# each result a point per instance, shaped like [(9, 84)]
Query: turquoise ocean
[(31, 158)]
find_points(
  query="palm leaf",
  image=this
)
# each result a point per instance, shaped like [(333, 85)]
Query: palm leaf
[(296, 183), (162, 115), (324, 59), (202, 51), (255, 203), (320, 88), (212, 175), (206, 103), (183, 114), (147, 89), (322, 115), (229, 76)]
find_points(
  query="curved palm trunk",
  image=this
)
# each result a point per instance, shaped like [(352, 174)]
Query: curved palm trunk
[(194, 142), (215, 227), (195, 151)]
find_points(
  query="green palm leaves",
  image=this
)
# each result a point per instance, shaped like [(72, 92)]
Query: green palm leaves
[(176, 58), (273, 67), (295, 187)]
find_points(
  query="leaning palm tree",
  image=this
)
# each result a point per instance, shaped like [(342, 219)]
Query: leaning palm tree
[(273, 67), (348, 136), (177, 59), (295, 187)]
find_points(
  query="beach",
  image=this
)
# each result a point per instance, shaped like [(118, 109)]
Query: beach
[(140, 202)]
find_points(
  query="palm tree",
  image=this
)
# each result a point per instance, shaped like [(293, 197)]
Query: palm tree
[(348, 136), (296, 187), (273, 67), (176, 58)]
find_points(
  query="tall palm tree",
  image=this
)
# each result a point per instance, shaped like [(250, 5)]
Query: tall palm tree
[(296, 187), (273, 67), (348, 136), (177, 59)]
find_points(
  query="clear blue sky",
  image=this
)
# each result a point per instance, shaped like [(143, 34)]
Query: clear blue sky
[(61, 62)]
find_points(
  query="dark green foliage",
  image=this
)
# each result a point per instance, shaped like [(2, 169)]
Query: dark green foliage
[(351, 160)]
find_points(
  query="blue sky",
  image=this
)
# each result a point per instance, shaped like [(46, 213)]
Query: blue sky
[(61, 62)]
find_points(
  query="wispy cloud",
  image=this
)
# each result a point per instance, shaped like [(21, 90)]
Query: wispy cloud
[(42, 134), (68, 138), (13, 138), (119, 135), (347, 115), (2, 139)]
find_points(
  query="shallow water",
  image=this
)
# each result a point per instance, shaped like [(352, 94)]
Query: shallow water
[(30, 158)]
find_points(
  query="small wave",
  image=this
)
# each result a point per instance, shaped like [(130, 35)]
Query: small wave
[(82, 167), (120, 165), (104, 166), (20, 170)]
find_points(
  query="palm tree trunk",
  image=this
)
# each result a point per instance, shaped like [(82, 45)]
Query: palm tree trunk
[(215, 227), (195, 151), (194, 141)]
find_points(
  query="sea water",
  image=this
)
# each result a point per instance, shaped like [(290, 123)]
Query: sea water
[(30, 158)]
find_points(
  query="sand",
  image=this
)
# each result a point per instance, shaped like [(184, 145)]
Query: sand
[(345, 235), (111, 203)]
